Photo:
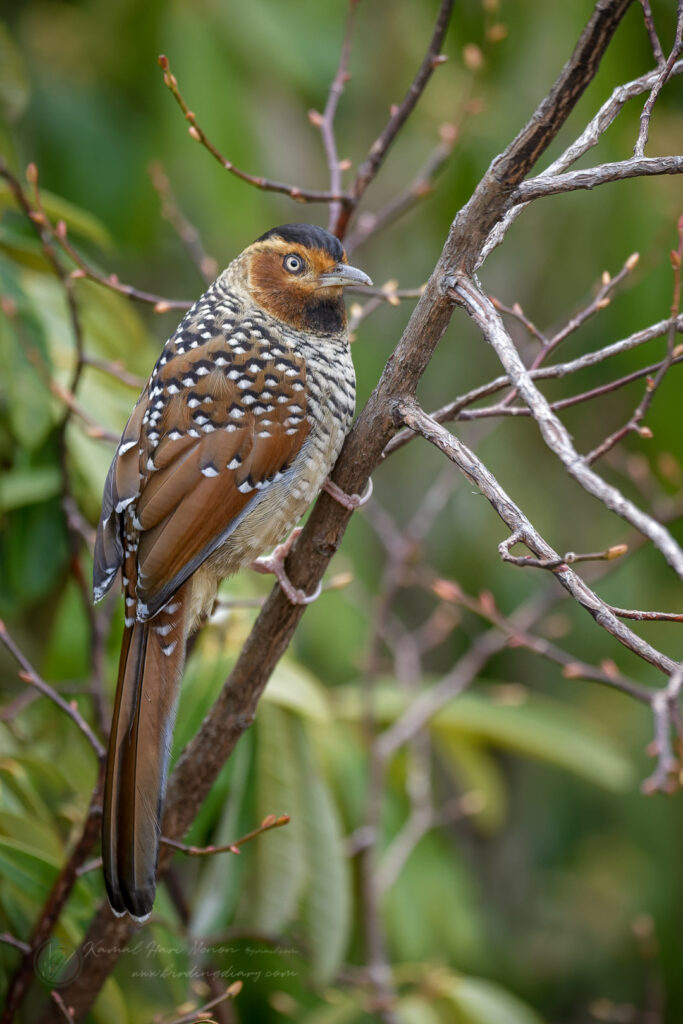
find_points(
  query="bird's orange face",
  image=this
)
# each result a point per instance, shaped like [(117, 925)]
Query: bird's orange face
[(301, 282)]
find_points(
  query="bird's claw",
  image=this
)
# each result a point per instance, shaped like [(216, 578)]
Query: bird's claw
[(349, 501), (275, 564)]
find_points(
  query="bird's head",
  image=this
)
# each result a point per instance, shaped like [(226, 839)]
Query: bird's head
[(297, 273)]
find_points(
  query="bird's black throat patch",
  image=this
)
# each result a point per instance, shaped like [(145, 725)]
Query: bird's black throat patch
[(324, 315)]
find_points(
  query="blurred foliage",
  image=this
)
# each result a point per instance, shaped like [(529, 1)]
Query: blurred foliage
[(562, 891)]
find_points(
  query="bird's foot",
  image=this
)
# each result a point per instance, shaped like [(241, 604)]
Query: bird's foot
[(349, 501), (275, 564)]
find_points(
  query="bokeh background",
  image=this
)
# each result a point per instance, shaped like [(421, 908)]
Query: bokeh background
[(560, 899)]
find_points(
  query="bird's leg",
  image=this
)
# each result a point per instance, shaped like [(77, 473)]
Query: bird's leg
[(275, 564), (349, 501)]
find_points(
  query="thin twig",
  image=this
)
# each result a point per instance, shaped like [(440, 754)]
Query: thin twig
[(29, 675), (664, 75), (301, 195), (657, 51), (194, 1016), (653, 383), (523, 530), (268, 823), (185, 230), (378, 151), (326, 121)]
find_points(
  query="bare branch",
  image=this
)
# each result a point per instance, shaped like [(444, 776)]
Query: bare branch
[(590, 177), (665, 712), (194, 1016), (662, 79), (553, 431), (590, 137), (523, 530)]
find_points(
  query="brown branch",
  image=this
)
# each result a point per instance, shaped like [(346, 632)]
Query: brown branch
[(66, 1012), (421, 186), (197, 133), (645, 616), (571, 557), (666, 717), (653, 383), (11, 940)]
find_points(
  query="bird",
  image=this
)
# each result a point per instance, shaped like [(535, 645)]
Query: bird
[(233, 436)]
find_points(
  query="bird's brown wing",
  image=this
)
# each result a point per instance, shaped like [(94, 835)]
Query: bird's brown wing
[(218, 428)]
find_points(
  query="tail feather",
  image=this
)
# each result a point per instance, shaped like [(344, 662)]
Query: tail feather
[(150, 670)]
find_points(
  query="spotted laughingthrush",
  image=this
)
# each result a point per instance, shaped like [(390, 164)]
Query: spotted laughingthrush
[(232, 438)]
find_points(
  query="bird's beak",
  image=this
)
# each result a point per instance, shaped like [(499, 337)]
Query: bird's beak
[(342, 274)]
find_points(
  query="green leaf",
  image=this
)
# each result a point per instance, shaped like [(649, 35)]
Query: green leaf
[(14, 84), (217, 890), (291, 686), (77, 220), (67, 654), (33, 873), (276, 861), (538, 727), (21, 487), (474, 769), (33, 832), (25, 362), (327, 895), (478, 1001), (111, 1006), (534, 726), (415, 1009)]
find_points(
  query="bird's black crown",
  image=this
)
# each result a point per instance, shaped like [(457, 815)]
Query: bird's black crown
[(309, 235)]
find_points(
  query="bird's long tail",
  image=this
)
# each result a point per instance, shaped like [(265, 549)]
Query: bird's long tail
[(150, 670)]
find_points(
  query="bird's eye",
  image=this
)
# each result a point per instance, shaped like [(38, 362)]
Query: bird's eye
[(293, 264)]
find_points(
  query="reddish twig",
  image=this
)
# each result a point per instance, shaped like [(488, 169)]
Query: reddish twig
[(270, 822), (185, 230), (293, 191), (29, 675)]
